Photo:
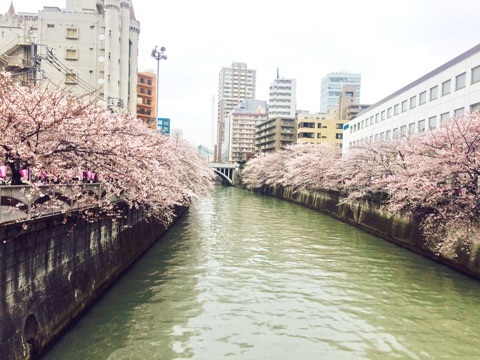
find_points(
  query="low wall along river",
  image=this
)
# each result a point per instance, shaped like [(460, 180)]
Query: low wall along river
[(51, 272)]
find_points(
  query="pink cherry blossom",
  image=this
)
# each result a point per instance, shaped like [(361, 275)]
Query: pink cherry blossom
[(60, 140)]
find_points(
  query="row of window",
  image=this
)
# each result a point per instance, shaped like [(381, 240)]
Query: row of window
[(72, 31), (311, 125), (146, 81), (420, 99), (304, 135), (420, 126)]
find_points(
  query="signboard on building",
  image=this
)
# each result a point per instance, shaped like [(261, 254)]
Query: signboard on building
[(163, 125)]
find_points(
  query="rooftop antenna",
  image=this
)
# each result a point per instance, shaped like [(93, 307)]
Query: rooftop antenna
[(278, 74)]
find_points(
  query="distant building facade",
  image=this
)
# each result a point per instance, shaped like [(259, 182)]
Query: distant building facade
[(423, 105), (274, 134), (331, 88), (319, 128), (91, 46), (146, 97), (240, 126), (235, 83), (282, 98)]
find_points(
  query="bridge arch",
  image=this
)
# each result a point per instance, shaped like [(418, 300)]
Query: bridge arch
[(227, 172)]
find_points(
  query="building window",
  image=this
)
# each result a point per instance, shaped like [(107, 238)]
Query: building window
[(432, 123), (433, 93), (72, 33), (476, 74), (422, 98), (396, 109), (460, 81), (446, 87), (319, 125), (388, 135), (411, 128), (382, 136), (383, 115), (371, 120), (377, 118), (50, 26), (70, 78), (444, 118), (338, 136), (395, 133), (319, 136), (340, 126), (475, 107), (71, 54), (421, 126), (389, 112), (403, 130), (404, 105), (459, 112), (413, 102)]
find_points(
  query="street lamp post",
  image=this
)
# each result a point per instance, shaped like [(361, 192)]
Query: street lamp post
[(158, 54)]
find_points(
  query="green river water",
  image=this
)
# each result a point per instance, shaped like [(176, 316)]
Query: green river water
[(244, 276)]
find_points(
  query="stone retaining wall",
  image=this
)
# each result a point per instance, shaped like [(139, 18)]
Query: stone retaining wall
[(52, 272), (401, 229)]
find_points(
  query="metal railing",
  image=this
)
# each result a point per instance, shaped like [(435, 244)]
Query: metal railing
[(23, 202)]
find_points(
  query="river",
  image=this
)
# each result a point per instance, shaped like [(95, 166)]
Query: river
[(246, 276)]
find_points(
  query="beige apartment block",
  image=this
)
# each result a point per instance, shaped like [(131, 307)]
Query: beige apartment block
[(90, 47), (319, 128), (240, 126)]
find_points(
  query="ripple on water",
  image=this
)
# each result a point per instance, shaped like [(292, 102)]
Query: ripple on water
[(251, 277)]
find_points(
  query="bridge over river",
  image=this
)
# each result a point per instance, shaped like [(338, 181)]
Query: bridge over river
[(227, 172), (247, 276)]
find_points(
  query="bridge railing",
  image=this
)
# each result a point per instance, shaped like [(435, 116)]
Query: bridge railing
[(22, 202)]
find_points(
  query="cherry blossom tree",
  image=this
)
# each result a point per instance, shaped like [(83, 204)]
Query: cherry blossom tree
[(306, 164), (441, 182), (63, 140), (433, 176), (265, 169)]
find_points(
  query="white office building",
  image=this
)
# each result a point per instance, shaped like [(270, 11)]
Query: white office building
[(451, 89), (282, 99)]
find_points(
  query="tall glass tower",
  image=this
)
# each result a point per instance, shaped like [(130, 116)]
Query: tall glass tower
[(332, 88)]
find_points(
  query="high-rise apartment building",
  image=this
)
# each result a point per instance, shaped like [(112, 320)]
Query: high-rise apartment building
[(91, 46), (331, 89), (240, 129), (235, 83), (282, 98)]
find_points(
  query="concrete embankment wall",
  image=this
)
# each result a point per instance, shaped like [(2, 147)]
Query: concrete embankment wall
[(401, 229), (52, 272)]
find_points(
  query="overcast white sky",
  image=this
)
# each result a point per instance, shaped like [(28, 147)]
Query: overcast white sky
[(390, 43)]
